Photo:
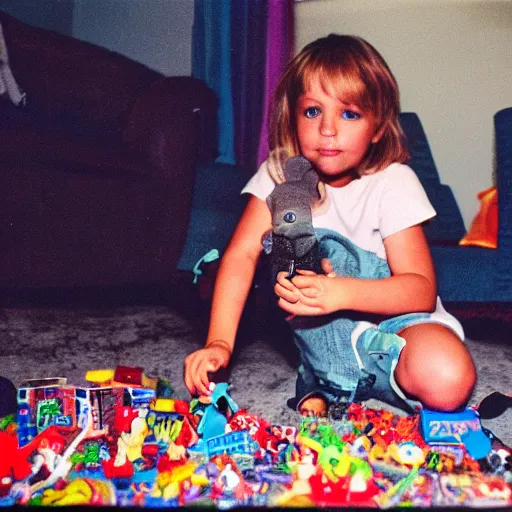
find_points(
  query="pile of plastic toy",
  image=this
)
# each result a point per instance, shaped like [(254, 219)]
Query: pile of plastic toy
[(126, 441)]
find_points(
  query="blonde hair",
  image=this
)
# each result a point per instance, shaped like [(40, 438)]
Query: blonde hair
[(353, 71)]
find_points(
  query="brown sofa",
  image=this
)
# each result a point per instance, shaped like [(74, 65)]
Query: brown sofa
[(97, 169)]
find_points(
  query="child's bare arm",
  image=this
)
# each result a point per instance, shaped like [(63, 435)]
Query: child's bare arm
[(232, 285), (412, 286)]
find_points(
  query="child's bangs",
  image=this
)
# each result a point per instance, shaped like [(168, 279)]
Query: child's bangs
[(344, 83)]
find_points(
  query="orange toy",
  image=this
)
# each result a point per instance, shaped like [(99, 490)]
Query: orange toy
[(484, 229)]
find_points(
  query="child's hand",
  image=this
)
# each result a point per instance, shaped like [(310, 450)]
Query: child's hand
[(204, 361), (308, 293)]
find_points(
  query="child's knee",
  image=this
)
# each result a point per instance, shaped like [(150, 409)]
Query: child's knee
[(451, 388), (435, 367)]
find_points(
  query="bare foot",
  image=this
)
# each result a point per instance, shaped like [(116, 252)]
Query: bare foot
[(315, 405)]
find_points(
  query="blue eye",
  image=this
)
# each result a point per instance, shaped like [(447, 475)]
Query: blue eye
[(289, 217), (350, 115), (311, 112)]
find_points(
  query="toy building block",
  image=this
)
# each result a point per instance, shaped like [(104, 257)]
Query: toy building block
[(46, 402), (456, 428), (122, 376), (169, 405)]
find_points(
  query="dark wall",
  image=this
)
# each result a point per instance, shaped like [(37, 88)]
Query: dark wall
[(157, 33), (51, 14)]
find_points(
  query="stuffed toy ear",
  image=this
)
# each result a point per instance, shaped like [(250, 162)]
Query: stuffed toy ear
[(299, 169), (310, 178), (296, 168)]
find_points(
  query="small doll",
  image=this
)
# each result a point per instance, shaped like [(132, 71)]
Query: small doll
[(292, 243)]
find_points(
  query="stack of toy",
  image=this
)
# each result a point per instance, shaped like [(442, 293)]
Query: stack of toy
[(126, 441)]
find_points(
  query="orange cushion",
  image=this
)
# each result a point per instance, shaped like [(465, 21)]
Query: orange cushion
[(484, 229)]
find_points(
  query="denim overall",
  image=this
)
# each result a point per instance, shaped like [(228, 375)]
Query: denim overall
[(342, 356)]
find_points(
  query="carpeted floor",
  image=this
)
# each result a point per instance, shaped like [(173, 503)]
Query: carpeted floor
[(66, 342)]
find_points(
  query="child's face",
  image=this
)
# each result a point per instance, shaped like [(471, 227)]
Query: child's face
[(334, 136)]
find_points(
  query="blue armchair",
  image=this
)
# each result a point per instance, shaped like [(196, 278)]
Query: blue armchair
[(465, 274)]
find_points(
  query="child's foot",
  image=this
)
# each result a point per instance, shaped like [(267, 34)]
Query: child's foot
[(315, 405)]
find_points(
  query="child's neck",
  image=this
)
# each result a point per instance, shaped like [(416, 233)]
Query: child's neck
[(340, 181)]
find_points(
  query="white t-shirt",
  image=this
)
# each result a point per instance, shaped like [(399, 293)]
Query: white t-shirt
[(368, 209)]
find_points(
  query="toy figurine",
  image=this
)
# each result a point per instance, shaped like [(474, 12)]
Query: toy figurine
[(130, 444), (162, 452), (47, 456), (14, 464), (215, 411), (292, 244), (82, 491)]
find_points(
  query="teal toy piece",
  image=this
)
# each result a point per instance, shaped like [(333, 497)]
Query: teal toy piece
[(215, 414)]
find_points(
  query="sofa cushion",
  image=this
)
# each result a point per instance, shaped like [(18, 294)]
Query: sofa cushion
[(465, 274), (421, 159), (69, 154), (63, 229), (216, 208), (447, 226)]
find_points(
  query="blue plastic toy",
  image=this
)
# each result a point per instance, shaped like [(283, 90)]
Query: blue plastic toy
[(460, 428)]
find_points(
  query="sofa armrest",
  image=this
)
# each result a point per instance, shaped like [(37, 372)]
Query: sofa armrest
[(173, 124), (503, 128)]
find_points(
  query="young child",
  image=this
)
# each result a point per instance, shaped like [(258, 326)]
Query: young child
[(337, 105)]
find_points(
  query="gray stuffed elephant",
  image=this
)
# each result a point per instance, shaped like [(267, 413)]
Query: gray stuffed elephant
[(293, 243)]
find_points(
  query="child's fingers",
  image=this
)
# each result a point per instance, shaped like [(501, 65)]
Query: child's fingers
[(301, 308), (283, 293), (203, 386), (188, 374), (302, 281), (310, 301), (327, 267), (191, 382), (282, 279), (209, 366), (201, 381), (306, 287), (197, 366), (285, 289), (192, 379), (304, 272)]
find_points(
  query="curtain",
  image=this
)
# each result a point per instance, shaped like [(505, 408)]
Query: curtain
[(239, 48), (279, 45), (211, 62)]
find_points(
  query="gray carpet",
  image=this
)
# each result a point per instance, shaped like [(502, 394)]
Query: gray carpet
[(50, 342)]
